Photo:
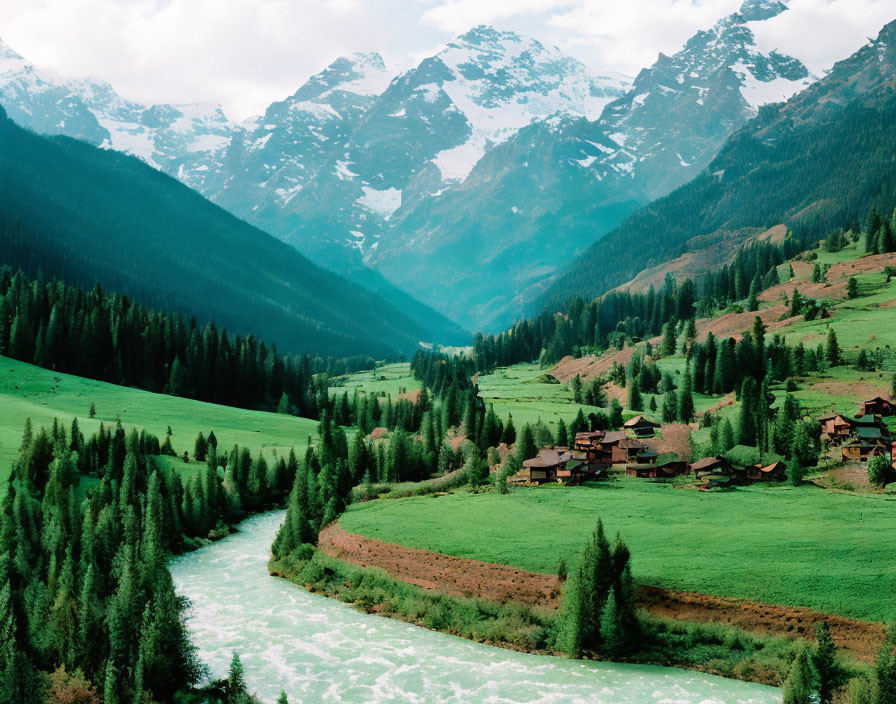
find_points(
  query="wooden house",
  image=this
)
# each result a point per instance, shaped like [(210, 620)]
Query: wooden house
[(629, 450), (878, 407), (860, 449), (709, 465), (666, 466), (835, 428), (642, 426), (550, 465), (774, 472), (589, 445)]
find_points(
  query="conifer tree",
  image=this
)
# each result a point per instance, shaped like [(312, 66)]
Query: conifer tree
[(635, 401), (852, 288), (832, 348), (798, 687), (828, 672), (525, 447), (686, 400)]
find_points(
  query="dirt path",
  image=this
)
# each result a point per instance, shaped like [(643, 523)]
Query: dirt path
[(471, 578)]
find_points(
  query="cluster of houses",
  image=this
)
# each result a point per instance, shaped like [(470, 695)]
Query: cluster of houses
[(862, 436), (592, 453)]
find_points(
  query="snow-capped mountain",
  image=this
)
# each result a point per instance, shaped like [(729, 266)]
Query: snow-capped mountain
[(429, 128), (179, 139), (537, 199)]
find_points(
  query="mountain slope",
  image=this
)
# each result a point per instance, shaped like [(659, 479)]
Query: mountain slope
[(815, 163), (547, 192), (68, 209)]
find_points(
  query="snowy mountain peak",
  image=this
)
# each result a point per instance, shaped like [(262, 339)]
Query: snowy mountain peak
[(758, 10), (360, 73)]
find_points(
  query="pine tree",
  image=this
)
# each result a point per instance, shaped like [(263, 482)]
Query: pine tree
[(611, 631), (669, 339), (235, 686), (852, 288), (562, 436), (525, 446), (670, 406), (635, 401), (832, 348), (829, 675), (747, 425), (686, 400), (798, 687)]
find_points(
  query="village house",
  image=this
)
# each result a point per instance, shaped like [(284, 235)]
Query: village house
[(550, 465), (878, 407), (666, 466), (641, 426), (860, 449), (774, 472), (835, 429)]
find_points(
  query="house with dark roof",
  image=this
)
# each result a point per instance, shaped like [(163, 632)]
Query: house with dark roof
[(878, 406), (774, 472), (642, 426)]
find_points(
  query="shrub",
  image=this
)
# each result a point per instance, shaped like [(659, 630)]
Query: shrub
[(879, 471)]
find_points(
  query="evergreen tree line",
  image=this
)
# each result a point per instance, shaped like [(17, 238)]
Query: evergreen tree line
[(111, 338)]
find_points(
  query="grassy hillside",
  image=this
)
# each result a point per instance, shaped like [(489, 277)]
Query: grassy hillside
[(87, 215), (796, 546), (28, 391)]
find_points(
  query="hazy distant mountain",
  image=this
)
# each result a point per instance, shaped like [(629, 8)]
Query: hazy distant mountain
[(816, 163)]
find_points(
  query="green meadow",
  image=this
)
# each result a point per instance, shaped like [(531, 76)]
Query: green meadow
[(794, 546), (390, 379), (29, 391), (516, 390)]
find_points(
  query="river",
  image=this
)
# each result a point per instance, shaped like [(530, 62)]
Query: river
[(320, 650)]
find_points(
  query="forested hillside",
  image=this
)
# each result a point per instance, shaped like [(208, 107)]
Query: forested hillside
[(820, 161), (86, 215)]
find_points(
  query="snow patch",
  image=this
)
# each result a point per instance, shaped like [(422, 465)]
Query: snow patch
[(383, 203)]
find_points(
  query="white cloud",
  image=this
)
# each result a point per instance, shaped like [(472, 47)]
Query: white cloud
[(247, 53)]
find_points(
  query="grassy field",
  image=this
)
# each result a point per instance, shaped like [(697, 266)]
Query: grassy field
[(391, 379), (516, 390), (29, 391), (795, 546)]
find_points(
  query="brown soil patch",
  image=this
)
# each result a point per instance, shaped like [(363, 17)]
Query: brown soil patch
[(734, 324), (858, 390), (454, 575), (412, 396), (590, 366), (827, 291), (865, 265), (471, 578), (861, 638), (615, 391), (377, 433)]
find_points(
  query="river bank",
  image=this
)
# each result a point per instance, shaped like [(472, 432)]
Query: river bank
[(320, 650), (467, 578), (712, 648)]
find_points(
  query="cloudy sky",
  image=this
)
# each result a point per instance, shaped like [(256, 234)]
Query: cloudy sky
[(245, 54)]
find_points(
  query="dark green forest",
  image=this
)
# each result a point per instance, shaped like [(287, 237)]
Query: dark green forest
[(111, 338), (87, 216), (816, 163)]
